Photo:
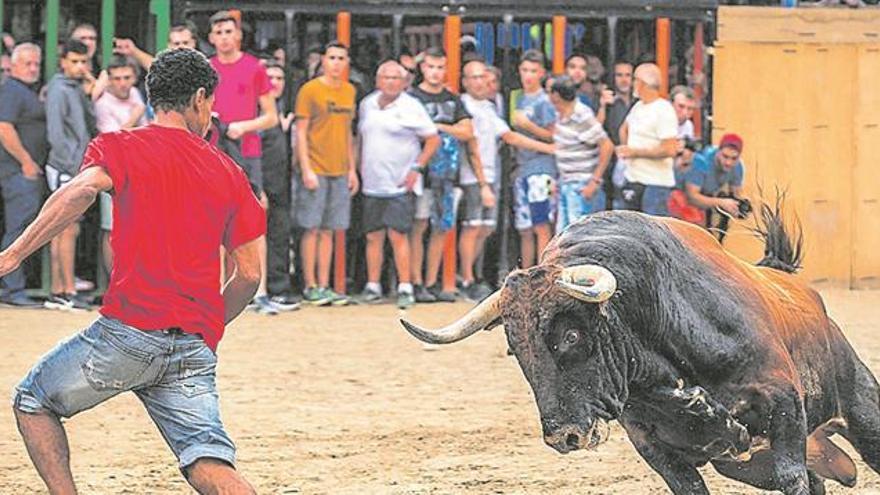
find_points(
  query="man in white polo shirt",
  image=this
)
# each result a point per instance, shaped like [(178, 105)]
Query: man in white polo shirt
[(392, 127), (650, 133)]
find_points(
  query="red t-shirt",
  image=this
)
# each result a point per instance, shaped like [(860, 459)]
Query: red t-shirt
[(176, 200), (237, 97)]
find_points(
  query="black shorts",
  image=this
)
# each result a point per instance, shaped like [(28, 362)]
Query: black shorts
[(395, 213)]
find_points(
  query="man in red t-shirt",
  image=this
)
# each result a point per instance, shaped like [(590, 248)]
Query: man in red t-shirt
[(176, 200)]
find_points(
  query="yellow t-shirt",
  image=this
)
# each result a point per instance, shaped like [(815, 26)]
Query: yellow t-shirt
[(330, 112)]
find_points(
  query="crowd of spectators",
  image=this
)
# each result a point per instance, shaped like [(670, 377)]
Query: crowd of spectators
[(397, 156)]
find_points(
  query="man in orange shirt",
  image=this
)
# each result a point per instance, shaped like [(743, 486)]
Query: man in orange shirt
[(325, 109)]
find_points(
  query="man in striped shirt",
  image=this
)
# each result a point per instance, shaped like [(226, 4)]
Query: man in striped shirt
[(583, 151)]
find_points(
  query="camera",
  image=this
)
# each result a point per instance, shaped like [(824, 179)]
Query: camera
[(743, 204)]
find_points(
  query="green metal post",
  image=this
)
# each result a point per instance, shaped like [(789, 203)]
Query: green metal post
[(108, 30), (162, 10), (53, 8)]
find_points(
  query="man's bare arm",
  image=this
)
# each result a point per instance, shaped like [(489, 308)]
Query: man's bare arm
[(10, 140), (62, 209), (241, 287), (267, 119), (463, 130)]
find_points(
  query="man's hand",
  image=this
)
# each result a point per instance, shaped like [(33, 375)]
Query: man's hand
[(487, 196), (310, 180), (607, 97), (30, 170), (729, 205), (235, 130), (590, 189), (124, 46), (286, 120), (520, 119), (263, 200), (8, 263), (624, 151), (409, 182), (353, 182)]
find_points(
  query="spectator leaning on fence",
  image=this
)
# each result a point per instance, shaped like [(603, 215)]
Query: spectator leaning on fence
[(70, 122), (392, 127), (650, 136), (583, 151), (120, 107), (23, 151), (325, 108)]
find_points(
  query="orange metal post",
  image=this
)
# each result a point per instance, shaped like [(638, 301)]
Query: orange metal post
[(558, 44), (698, 87), (452, 43), (662, 44), (343, 35)]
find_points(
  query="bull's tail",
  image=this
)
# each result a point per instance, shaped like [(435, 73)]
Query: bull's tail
[(782, 251)]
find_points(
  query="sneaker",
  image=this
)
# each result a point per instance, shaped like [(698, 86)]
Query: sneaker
[(19, 300), (405, 300), (58, 301), (79, 302), (316, 297), (440, 295), (264, 306), (476, 292), (422, 295), (368, 296), (336, 299), (285, 302)]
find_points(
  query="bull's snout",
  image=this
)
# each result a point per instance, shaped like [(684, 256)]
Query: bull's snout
[(568, 437)]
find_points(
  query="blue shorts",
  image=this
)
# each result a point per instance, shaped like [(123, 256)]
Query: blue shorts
[(534, 203), (572, 204), (171, 372)]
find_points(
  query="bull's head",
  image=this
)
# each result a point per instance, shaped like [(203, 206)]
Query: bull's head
[(564, 334)]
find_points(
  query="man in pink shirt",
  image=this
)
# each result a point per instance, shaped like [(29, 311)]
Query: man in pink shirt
[(119, 107), (244, 101)]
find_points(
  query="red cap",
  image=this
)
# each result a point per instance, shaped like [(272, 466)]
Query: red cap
[(731, 141)]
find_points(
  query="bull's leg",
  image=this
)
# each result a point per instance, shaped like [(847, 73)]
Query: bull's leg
[(783, 466), (862, 413), (680, 476)]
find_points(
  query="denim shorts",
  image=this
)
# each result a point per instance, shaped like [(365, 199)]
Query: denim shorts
[(573, 206), (171, 372)]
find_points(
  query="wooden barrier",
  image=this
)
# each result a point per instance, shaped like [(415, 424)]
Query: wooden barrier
[(809, 114)]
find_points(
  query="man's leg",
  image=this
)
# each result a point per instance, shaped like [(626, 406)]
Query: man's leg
[(47, 447), (214, 477), (435, 257), (467, 251), (527, 247), (67, 257), (55, 265), (325, 256), (375, 248), (543, 234), (21, 200), (417, 250), (400, 247), (308, 249)]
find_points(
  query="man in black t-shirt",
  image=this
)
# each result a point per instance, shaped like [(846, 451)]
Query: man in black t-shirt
[(437, 202), (23, 148)]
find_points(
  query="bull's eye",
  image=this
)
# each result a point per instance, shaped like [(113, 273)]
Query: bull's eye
[(571, 337)]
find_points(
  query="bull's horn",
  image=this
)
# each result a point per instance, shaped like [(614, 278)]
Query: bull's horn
[(484, 315), (590, 283)]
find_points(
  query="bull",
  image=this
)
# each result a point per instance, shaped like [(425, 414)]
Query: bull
[(701, 357)]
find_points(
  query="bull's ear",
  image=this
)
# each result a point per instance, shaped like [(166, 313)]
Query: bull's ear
[(588, 283)]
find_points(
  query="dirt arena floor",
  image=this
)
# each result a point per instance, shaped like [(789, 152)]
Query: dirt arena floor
[(343, 401)]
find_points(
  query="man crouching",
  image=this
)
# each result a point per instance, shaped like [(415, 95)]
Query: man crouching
[(176, 200)]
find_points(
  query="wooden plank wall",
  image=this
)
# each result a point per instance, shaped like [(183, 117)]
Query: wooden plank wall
[(808, 113)]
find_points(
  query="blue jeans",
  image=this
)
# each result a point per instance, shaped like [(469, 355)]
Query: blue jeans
[(573, 205), (22, 198), (171, 372)]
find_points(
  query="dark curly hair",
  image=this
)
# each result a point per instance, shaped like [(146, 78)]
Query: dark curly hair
[(175, 76)]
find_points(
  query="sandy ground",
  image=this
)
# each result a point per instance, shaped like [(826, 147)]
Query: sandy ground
[(343, 401)]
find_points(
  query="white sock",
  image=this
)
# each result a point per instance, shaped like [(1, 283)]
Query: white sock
[(404, 288), (374, 287)]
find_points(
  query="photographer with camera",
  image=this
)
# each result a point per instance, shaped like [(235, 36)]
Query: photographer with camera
[(716, 177)]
